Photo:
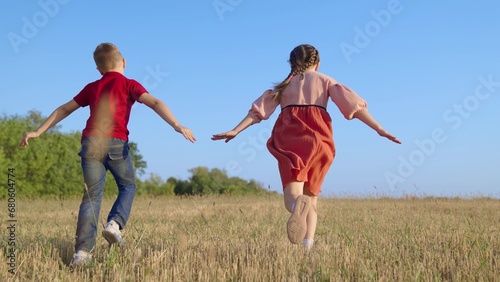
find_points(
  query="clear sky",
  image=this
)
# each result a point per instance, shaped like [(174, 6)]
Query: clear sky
[(429, 70)]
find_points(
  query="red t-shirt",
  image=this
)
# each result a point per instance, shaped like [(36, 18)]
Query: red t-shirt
[(110, 99)]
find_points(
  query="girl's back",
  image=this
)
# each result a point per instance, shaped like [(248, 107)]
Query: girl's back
[(308, 88)]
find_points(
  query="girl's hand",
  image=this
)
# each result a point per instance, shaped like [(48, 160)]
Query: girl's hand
[(186, 132), (26, 136), (226, 135), (386, 134)]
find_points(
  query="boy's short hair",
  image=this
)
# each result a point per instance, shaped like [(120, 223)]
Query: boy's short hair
[(107, 56)]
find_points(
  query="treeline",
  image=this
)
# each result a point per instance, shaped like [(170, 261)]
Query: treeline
[(50, 167)]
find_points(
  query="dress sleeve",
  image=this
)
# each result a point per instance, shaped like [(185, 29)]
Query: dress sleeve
[(263, 107), (346, 100)]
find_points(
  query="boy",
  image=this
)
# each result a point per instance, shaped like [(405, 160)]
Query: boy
[(105, 146)]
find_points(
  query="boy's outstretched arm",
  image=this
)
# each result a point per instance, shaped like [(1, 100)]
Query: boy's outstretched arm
[(164, 112), (245, 123), (57, 115), (368, 119)]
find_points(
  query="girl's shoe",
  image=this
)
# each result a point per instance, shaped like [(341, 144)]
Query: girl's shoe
[(308, 245), (297, 223)]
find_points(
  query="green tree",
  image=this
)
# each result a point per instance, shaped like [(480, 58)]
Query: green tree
[(204, 181), (155, 186), (183, 187), (50, 166), (140, 164)]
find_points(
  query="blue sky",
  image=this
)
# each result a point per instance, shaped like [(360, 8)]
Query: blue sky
[(428, 70)]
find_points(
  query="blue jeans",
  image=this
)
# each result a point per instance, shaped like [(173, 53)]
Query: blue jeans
[(99, 155)]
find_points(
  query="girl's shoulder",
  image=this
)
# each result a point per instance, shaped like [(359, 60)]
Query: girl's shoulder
[(324, 78)]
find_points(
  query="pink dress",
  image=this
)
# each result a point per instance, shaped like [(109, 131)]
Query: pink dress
[(302, 138)]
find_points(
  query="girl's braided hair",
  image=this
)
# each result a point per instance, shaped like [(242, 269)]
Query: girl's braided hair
[(302, 57)]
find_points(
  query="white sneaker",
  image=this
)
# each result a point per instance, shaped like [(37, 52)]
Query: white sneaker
[(112, 233), (81, 258)]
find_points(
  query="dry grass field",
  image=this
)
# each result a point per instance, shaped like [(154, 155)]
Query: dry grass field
[(244, 239)]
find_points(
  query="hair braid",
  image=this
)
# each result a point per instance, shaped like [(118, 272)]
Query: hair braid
[(302, 58)]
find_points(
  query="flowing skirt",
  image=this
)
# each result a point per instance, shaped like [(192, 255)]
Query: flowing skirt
[(302, 142)]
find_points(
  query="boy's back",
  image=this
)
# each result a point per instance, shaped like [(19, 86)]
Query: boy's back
[(110, 100)]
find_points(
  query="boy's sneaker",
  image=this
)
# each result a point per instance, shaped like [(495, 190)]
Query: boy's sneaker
[(81, 258), (297, 224), (112, 233)]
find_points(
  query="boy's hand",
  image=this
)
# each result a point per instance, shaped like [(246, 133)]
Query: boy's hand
[(386, 134), (26, 136), (186, 132), (226, 135)]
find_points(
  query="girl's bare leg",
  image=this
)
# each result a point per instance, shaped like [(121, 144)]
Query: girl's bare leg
[(291, 192), (312, 218), (300, 222)]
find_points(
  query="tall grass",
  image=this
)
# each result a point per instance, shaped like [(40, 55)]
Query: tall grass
[(244, 239)]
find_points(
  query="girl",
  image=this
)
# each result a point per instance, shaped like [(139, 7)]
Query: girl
[(302, 138)]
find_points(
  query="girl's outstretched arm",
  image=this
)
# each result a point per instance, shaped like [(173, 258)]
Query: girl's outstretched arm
[(368, 119), (57, 115), (245, 123)]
